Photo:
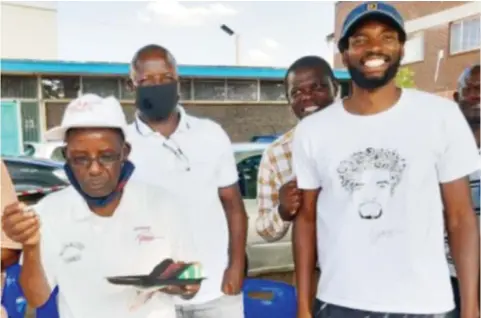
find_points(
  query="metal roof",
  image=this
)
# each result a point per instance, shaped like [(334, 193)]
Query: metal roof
[(122, 69)]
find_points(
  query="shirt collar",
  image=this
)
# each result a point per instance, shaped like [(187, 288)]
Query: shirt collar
[(184, 123), (81, 210)]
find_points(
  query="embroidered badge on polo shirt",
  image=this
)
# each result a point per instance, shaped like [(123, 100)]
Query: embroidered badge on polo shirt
[(72, 252)]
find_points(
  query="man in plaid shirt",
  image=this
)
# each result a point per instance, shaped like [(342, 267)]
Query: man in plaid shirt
[(310, 86)]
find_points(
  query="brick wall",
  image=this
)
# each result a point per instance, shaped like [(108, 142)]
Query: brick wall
[(244, 121), (241, 122)]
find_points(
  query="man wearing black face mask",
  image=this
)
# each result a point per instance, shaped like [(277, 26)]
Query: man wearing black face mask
[(377, 170), (193, 158)]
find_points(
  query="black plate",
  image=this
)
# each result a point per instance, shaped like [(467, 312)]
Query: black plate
[(146, 281)]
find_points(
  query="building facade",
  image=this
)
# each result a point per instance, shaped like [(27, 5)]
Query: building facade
[(443, 39), (246, 101), (28, 30)]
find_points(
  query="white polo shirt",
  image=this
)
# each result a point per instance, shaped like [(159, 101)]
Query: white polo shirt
[(194, 162), (79, 249)]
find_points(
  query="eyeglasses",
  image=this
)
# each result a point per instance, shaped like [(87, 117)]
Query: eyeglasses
[(172, 146), (106, 159)]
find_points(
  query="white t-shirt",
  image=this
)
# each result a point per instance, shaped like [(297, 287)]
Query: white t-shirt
[(194, 163), (79, 249), (380, 218)]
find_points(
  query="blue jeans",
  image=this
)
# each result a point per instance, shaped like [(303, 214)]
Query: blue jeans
[(325, 310)]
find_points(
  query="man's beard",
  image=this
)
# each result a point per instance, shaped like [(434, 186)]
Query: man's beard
[(373, 83)]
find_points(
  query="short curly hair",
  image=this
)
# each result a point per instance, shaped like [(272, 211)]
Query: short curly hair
[(147, 49), (370, 159)]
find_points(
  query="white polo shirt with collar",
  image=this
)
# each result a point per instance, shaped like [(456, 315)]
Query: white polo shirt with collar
[(194, 162), (79, 249)]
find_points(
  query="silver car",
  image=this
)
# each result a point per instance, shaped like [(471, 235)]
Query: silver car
[(263, 256)]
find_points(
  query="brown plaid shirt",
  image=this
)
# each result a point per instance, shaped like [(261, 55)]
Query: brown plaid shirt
[(275, 170)]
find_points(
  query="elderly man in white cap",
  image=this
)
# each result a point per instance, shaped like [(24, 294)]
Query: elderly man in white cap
[(100, 227)]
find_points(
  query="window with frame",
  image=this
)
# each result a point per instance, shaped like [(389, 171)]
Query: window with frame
[(30, 121), (272, 91), (414, 48), (126, 91), (206, 90), (242, 90), (465, 35), (60, 87), (15, 86), (54, 113), (103, 87), (185, 89)]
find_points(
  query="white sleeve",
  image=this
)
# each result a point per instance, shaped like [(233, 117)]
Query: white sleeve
[(459, 156), (303, 161), (226, 166)]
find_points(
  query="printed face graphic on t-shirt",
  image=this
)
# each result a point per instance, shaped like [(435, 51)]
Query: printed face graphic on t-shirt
[(371, 177)]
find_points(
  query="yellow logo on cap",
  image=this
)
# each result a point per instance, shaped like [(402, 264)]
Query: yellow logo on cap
[(372, 6)]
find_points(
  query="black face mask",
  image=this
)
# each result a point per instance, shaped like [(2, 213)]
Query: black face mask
[(157, 102)]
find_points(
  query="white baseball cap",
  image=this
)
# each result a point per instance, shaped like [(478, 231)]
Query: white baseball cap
[(89, 111)]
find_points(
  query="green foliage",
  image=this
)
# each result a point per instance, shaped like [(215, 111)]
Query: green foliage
[(405, 78)]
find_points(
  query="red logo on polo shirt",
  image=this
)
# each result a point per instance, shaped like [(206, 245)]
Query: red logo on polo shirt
[(144, 234)]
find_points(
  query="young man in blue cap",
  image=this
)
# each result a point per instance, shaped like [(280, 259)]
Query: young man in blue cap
[(376, 171)]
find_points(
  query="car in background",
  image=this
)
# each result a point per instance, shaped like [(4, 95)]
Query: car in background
[(265, 138), (263, 256), (33, 178), (47, 150)]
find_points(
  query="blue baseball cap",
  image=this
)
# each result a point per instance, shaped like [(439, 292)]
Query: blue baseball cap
[(367, 11)]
